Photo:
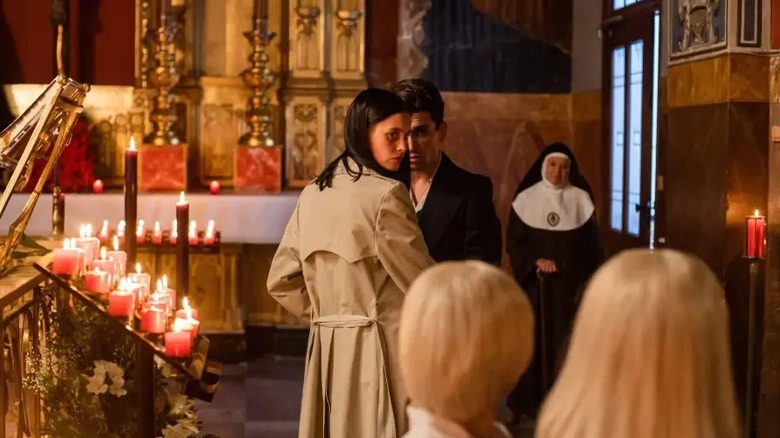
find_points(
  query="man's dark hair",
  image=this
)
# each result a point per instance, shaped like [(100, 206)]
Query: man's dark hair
[(421, 96), (369, 107)]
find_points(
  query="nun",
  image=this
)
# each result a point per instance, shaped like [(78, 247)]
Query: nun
[(554, 248)]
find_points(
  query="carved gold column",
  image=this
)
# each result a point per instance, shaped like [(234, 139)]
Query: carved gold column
[(163, 78), (327, 46)]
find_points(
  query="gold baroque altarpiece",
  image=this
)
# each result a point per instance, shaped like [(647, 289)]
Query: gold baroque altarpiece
[(318, 56)]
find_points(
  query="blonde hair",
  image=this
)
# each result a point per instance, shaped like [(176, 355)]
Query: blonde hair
[(649, 355), (466, 336)]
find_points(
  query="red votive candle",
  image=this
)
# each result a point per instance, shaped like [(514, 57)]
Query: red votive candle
[(153, 320), (755, 239), (121, 303), (67, 260), (178, 343), (97, 281)]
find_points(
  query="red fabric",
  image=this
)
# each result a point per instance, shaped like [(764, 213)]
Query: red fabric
[(76, 164)]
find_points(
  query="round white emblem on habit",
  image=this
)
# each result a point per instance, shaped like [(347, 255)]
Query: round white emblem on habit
[(553, 219)]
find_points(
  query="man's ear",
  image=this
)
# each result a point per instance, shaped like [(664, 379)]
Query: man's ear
[(442, 131)]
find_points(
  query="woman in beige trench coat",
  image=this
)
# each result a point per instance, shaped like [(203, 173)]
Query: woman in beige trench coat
[(349, 253)]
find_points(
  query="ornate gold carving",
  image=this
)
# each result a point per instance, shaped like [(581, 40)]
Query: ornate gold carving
[(412, 60), (336, 138), (164, 77), (348, 44), (145, 43), (306, 51), (304, 136), (259, 78)]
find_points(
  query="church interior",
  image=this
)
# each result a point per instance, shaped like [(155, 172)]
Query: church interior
[(672, 109)]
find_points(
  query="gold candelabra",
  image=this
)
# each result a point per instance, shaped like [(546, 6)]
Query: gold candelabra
[(164, 77), (258, 77)]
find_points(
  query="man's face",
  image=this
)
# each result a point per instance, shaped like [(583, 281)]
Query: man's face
[(425, 141)]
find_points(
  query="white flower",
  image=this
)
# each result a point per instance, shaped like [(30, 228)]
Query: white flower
[(117, 387), (114, 370), (97, 384), (100, 367), (180, 431)]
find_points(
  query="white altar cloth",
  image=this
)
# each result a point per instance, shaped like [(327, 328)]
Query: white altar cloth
[(254, 219)]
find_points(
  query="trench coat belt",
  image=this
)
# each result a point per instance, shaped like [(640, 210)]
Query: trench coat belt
[(344, 321), (357, 321)]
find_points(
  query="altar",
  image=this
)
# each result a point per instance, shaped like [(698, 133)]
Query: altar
[(241, 219)]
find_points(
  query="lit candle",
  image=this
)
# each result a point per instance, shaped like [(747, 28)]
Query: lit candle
[(214, 187), (193, 233), (67, 260), (142, 279), (120, 231), (121, 302), (105, 264), (97, 186), (186, 312), (104, 233), (153, 319), (168, 292), (140, 232), (90, 245), (119, 256), (755, 240), (182, 246), (209, 238), (97, 281), (190, 325), (157, 234), (177, 342), (173, 236)]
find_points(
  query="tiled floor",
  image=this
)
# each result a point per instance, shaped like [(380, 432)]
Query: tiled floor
[(261, 399)]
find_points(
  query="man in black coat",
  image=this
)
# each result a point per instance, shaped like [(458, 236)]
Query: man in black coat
[(454, 207)]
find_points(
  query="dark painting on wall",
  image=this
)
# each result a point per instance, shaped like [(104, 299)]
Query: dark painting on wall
[(499, 46), (696, 26)]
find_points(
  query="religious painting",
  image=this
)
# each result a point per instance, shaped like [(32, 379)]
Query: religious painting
[(696, 27), (498, 46)]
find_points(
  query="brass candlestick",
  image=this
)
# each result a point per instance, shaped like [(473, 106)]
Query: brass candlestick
[(258, 78), (164, 77)]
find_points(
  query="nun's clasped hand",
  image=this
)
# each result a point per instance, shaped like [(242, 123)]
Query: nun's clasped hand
[(546, 265)]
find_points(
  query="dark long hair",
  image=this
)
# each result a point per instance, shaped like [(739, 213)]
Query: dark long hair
[(369, 107)]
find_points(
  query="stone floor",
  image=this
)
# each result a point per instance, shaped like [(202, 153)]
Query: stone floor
[(261, 399)]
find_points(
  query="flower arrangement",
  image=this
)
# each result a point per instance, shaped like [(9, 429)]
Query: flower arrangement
[(85, 375)]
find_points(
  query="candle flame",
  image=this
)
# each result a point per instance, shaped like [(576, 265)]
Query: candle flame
[(165, 282), (88, 230), (178, 325), (122, 284), (82, 230), (138, 268), (104, 229), (185, 304), (755, 213), (182, 199), (157, 226), (132, 144), (102, 253), (97, 269), (211, 224), (159, 287), (66, 244), (116, 243)]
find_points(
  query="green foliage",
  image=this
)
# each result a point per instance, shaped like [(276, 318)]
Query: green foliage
[(78, 344)]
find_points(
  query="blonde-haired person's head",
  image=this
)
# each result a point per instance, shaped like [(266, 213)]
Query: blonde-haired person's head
[(466, 336), (649, 355)]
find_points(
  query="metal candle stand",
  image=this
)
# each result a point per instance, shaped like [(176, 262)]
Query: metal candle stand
[(755, 252)]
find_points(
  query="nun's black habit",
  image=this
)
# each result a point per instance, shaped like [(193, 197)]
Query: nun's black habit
[(558, 224)]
